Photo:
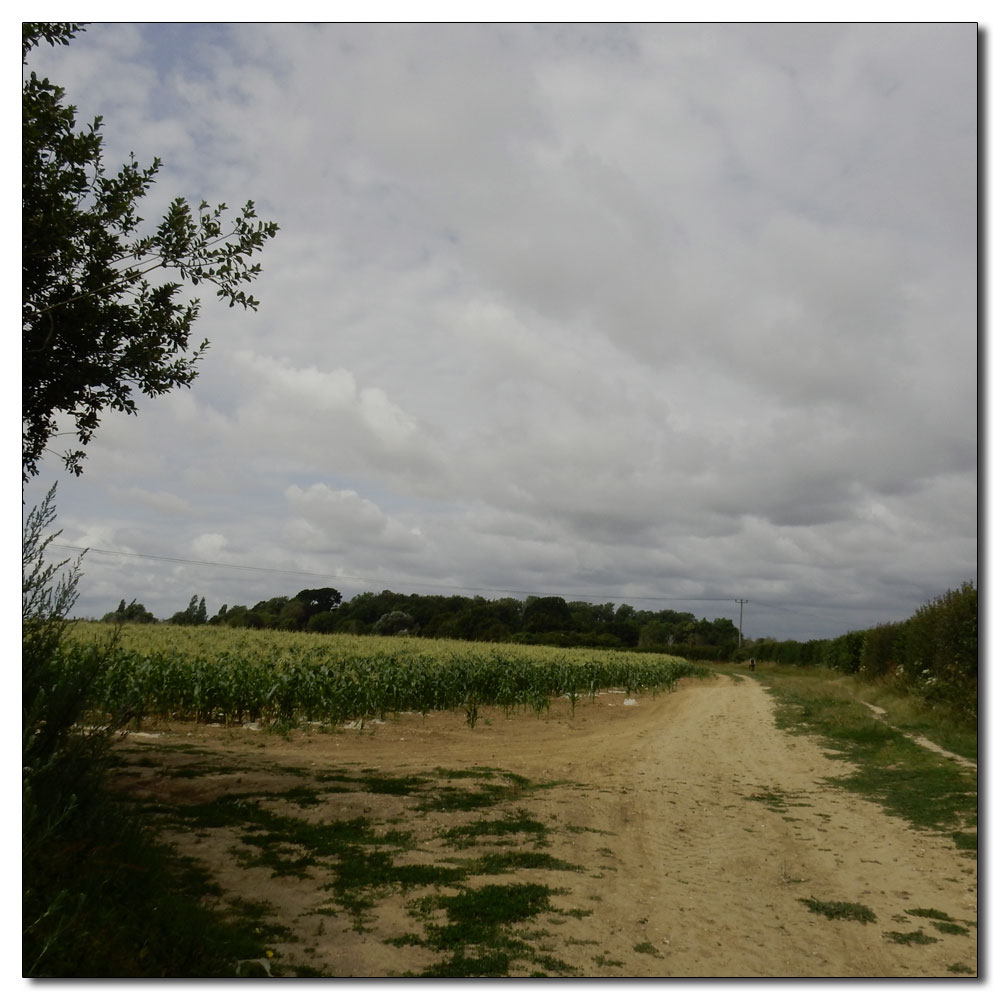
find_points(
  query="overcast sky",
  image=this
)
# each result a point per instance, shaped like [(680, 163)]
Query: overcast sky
[(666, 315)]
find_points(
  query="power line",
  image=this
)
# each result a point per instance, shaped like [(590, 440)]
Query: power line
[(808, 614), (475, 590), (365, 579), (197, 562)]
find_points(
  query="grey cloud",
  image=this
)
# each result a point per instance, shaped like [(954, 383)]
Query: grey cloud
[(639, 309)]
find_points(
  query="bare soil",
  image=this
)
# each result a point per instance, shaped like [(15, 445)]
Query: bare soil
[(698, 825)]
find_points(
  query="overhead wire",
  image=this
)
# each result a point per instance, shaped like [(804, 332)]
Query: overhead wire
[(370, 580), (661, 598)]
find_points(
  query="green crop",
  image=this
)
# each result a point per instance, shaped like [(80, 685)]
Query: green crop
[(236, 675)]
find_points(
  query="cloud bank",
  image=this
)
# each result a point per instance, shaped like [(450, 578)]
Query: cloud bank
[(666, 313)]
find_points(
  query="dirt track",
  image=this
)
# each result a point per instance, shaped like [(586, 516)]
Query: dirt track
[(698, 824)]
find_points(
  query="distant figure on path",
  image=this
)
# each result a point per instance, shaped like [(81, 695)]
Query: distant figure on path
[(753, 664)]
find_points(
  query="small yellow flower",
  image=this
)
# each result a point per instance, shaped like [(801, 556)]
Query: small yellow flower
[(268, 953)]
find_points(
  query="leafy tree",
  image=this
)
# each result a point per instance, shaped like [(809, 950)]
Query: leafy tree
[(322, 599), (131, 612), (323, 621), (656, 633), (625, 613), (94, 328), (196, 613), (547, 614), (293, 617), (394, 623)]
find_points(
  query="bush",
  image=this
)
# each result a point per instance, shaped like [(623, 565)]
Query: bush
[(940, 651), (63, 762), (881, 650)]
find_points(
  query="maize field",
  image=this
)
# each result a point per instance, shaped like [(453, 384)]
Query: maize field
[(221, 674)]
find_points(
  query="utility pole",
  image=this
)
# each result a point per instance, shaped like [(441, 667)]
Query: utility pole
[(741, 601)]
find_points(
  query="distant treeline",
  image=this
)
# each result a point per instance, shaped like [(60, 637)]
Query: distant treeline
[(935, 652), (538, 620)]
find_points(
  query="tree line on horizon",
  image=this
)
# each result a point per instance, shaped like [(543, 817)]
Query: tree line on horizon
[(536, 620)]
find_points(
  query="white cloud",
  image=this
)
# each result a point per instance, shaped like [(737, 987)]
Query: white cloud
[(341, 521), (679, 309)]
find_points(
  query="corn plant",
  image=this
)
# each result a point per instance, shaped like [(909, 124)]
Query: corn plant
[(230, 675)]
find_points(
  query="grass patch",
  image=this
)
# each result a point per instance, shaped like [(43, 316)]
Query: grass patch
[(840, 911), (926, 789), (929, 914), (388, 785), (479, 932), (961, 969), (966, 841), (485, 795), (510, 825), (603, 960), (496, 864), (949, 928), (481, 910), (911, 937)]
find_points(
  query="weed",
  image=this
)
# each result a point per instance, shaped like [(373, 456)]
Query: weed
[(946, 927), (495, 864), (383, 785), (913, 937), (478, 932), (929, 914), (966, 841), (603, 960), (493, 905), (509, 825), (452, 799), (646, 948), (840, 911), (405, 940)]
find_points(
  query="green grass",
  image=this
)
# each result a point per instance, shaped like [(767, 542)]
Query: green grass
[(942, 921), (961, 969), (840, 911), (929, 913), (926, 789), (520, 822), (479, 931), (910, 937), (949, 928), (494, 864)]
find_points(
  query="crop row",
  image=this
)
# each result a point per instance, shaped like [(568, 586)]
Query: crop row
[(333, 682)]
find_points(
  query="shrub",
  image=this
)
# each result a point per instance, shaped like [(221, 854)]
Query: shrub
[(62, 762)]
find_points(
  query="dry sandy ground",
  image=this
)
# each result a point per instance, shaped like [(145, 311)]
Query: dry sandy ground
[(699, 826)]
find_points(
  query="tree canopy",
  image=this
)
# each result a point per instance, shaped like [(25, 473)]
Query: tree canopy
[(547, 620), (95, 328)]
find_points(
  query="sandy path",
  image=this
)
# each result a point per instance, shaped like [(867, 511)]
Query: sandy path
[(699, 825)]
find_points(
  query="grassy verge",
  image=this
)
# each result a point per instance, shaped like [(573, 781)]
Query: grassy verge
[(923, 787)]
